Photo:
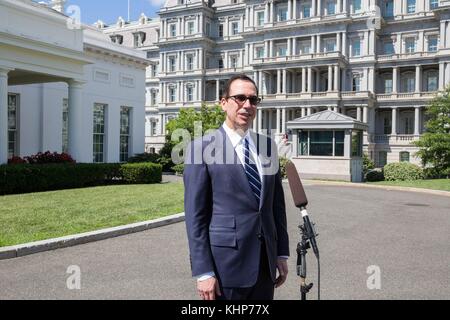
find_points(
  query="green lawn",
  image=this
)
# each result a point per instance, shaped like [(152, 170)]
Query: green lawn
[(39, 216), (438, 184)]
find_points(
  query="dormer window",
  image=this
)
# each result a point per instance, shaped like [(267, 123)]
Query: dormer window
[(117, 38), (181, 2), (139, 39)]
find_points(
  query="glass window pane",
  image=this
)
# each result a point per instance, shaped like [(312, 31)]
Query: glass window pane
[(321, 143), (339, 143)]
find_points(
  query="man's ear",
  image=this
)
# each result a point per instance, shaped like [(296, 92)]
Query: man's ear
[(223, 104)]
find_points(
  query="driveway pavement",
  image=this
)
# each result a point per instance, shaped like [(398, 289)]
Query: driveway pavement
[(404, 235)]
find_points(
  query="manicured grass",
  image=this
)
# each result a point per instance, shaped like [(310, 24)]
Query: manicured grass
[(38, 216), (438, 184)]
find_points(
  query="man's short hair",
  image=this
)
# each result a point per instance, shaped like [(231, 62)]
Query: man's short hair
[(243, 77)]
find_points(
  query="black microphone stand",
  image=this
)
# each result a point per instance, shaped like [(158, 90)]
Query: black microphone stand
[(302, 250)]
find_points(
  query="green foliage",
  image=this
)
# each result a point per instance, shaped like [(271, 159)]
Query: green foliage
[(374, 175), (179, 169), (435, 143), (402, 171), (141, 173), (26, 178), (144, 157), (283, 162), (211, 118), (368, 164)]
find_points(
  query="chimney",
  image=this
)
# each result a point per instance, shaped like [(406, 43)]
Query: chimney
[(58, 5)]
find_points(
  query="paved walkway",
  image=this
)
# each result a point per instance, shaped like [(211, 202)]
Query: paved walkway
[(405, 234)]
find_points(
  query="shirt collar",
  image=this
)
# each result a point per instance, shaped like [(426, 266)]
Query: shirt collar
[(235, 137)]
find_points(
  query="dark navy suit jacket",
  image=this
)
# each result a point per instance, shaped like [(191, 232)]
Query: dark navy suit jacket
[(224, 220)]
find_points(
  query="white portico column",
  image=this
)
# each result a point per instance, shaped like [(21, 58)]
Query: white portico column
[(283, 120), (330, 78), (394, 121), (75, 131), (278, 121), (4, 115), (417, 121)]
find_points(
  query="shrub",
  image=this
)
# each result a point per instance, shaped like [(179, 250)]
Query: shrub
[(144, 157), (283, 162), (179, 169), (375, 175), (43, 158), (368, 164), (138, 173), (402, 171)]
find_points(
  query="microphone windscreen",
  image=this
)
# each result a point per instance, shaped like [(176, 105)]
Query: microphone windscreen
[(298, 193)]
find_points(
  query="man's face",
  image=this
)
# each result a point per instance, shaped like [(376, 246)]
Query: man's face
[(240, 115)]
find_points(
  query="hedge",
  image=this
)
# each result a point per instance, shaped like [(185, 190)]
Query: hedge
[(374, 175), (402, 171), (26, 178)]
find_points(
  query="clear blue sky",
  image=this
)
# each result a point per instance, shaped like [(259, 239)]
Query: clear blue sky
[(110, 10)]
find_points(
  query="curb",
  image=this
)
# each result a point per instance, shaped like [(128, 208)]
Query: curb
[(82, 238), (363, 185)]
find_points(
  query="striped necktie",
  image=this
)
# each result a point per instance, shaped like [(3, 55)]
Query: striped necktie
[(251, 170)]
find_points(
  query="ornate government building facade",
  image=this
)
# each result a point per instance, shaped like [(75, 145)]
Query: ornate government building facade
[(379, 62)]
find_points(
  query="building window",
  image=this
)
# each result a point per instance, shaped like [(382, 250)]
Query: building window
[(330, 45), (13, 123), (306, 11), (356, 6), (220, 30), (139, 39), (172, 64), (321, 143), (339, 143), (117, 38), (410, 45), (153, 98), (172, 94), (234, 28), (409, 125), (388, 85), (303, 149), (282, 51), (404, 156), (411, 6), (208, 29), (409, 82), (356, 83), (173, 30), (357, 144), (356, 48), (154, 71), (434, 4), (125, 113), (382, 159), (99, 133), (190, 93), (65, 126), (432, 81), (389, 47), (153, 127), (233, 62), (331, 7), (220, 63), (305, 47), (260, 52), (387, 125), (260, 18), (190, 62), (389, 8), (190, 27), (282, 14), (432, 44)]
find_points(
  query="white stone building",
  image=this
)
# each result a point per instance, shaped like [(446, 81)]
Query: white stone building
[(65, 87), (378, 61)]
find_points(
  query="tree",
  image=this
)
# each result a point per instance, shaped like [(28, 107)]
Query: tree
[(434, 144), (210, 118)]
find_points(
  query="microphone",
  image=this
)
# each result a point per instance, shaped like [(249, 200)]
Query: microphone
[(300, 201)]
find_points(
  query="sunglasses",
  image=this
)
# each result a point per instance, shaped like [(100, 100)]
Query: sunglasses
[(241, 99)]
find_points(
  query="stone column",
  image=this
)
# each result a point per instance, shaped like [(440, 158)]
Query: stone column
[(283, 120), (278, 81), (318, 44), (76, 122), (394, 120), (365, 114), (313, 8), (278, 121), (308, 111), (441, 76), (319, 7), (294, 45), (330, 78), (303, 112), (417, 121), (418, 78), (309, 79), (344, 43), (284, 81), (336, 78), (303, 80), (358, 113), (294, 10), (4, 115), (395, 80), (338, 42)]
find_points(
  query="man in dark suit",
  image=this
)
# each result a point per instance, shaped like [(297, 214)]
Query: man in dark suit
[(234, 205)]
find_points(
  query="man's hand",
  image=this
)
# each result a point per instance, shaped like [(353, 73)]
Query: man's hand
[(283, 271), (208, 289)]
